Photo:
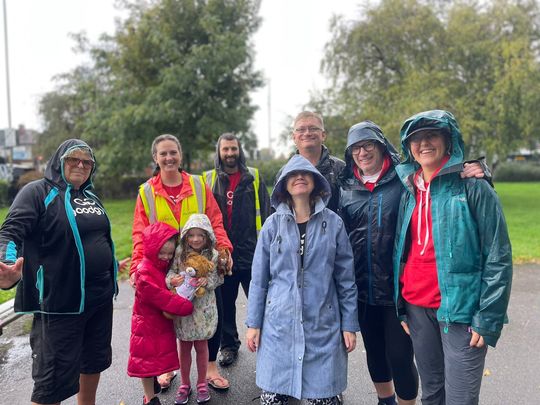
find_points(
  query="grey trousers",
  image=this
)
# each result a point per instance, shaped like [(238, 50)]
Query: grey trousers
[(450, 370)]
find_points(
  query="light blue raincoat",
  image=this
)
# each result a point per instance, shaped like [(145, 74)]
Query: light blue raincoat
[(302, 311)]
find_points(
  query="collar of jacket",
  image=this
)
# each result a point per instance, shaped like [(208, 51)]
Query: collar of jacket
[(406, 172), (157, 183), (284, 209), (242, 168), (350, 182), (324, 160)]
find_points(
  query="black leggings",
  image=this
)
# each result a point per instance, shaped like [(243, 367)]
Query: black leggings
[(388, 348), (215, 341)]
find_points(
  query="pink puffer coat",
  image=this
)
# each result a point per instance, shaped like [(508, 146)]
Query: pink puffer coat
[(152, 348)]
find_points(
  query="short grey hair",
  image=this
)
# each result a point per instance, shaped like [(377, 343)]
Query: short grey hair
[(308, 114)]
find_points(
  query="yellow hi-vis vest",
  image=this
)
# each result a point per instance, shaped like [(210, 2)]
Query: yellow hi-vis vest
[(210, 178), (157, 208)]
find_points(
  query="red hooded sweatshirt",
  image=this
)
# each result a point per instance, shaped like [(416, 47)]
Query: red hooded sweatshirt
[(152, 349), (420, 284)]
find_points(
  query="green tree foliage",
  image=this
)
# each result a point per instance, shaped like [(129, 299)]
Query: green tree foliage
[(479, 60), (173, 66)]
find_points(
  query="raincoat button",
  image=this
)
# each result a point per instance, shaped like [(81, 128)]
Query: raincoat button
[(299, 357)]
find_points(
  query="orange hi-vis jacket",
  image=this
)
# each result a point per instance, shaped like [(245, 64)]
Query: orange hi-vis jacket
[(169, 212)]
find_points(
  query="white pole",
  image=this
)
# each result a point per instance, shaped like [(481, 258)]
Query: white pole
[(269, 102), (7, 65)]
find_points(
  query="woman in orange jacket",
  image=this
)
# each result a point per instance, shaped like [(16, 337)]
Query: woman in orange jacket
[(171, 195)]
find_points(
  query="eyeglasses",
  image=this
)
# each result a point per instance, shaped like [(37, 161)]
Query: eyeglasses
[(74, 162), (368, 147), (311, 130), (424, 135)]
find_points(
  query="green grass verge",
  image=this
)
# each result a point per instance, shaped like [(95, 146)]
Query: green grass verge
[(520, 206), (519, 200), (120, 213)]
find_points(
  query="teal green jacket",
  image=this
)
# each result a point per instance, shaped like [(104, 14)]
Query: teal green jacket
[(470, 236)]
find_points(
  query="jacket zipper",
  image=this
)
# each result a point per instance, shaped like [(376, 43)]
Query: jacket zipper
[(452, 211), (39, 284), (370, 207), (379, 215)]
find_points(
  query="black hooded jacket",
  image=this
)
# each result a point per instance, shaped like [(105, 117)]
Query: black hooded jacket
[(41, 227), (243, 232), (370, 219)]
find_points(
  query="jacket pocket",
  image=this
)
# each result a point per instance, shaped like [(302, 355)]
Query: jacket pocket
[(464, 251), (39, 283)]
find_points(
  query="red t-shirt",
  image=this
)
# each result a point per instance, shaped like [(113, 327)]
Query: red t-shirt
[(173, 192), (234, 179)]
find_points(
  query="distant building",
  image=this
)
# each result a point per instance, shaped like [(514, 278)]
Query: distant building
[(525, 155), (16, 152)]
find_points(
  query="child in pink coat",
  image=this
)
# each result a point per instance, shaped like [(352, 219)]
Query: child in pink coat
[(153, 350)]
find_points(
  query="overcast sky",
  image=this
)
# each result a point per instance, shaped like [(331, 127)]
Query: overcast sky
[(289, 47)]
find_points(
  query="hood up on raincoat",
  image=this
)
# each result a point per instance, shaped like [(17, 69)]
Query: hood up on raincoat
[(154, 237), (434, 119), (55, 168), (367, 131), (299, 163), (241, 156), (199, 221)]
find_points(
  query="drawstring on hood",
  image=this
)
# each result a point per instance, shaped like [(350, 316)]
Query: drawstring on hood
[(424, 202)]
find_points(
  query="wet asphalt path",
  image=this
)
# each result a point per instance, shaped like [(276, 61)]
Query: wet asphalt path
[(511, 375)]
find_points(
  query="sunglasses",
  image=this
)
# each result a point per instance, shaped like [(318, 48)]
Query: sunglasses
[(74, 162)]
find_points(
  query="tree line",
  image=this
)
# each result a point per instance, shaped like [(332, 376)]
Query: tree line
[(186, 67), (478, 59)]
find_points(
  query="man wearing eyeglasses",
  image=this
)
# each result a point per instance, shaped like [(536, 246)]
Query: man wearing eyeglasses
[(309, 135)]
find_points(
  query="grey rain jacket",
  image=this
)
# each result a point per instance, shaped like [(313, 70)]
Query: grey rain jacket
[(302, 310)]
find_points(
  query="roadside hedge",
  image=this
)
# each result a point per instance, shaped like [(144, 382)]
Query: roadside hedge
[(517, 172)]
